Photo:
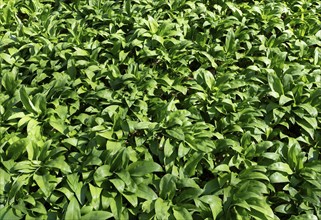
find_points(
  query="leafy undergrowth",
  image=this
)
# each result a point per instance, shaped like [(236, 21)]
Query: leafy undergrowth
[(160, 109)]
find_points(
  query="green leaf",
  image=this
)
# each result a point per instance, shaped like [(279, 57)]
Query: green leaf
[(172, 109), (5, 178), (214, 202), (15, 188), (161, 209), (80, 52), (152, 24), (283, 100), (17, 148), (308, 124), (168, 148), (95, 196), (46, 183), (60, 164), (73, 209), (25, 167), (192, 163), (253, 176), (229, 41), (40, 103), (222, 168), (209, 79), (119, 184), (181, 213), (275, 83), (188, 195), (127, 6), (176, 133), (145, 192), (262, 212), (39, 208), (102, 173), (116, 206), (95, 215), (26, 101), (58, 124), (8, 213), (141, 168), (279, 178), (167, 186), (281, 167), (316, 56), (7, 58), (309, 109), (145, 125), (131, 198), (9, 82)]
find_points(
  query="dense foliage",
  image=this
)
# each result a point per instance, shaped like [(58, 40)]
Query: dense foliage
[(160, 109)]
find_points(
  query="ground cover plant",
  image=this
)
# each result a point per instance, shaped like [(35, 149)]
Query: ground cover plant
[(160, 109)]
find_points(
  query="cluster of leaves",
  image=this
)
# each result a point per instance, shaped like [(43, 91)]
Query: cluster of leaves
[(160, 109)]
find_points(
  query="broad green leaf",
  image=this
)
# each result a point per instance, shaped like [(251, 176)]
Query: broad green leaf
[(40, 103), (176, 133), (209, 79), (17, 148), (27, 103), (309, 109), (16, 187), (262, 212), (7, 212), (119, 184), (60, 164), (73, 209), (39, 208), (116, 206), (222, 168), (141, 168), (145, 125), (253, 176), (152, 24), (304, 216), (229, 41), (5, 178), (279, 178), (80, 52), (275, 83), (46, 183), (9, 82), (192, 163), (34, 135), (102, 173), (95, 196), (7, 58), (161, 209), (281, 167), (188, 194), (308, 124), (215, 203), (181, 213), (145, 192), (283, 100), (316, 56), (168, 148), (26, 166), (95, 215), (167, 186), (76, 186), (58, 124), (131, 198)]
